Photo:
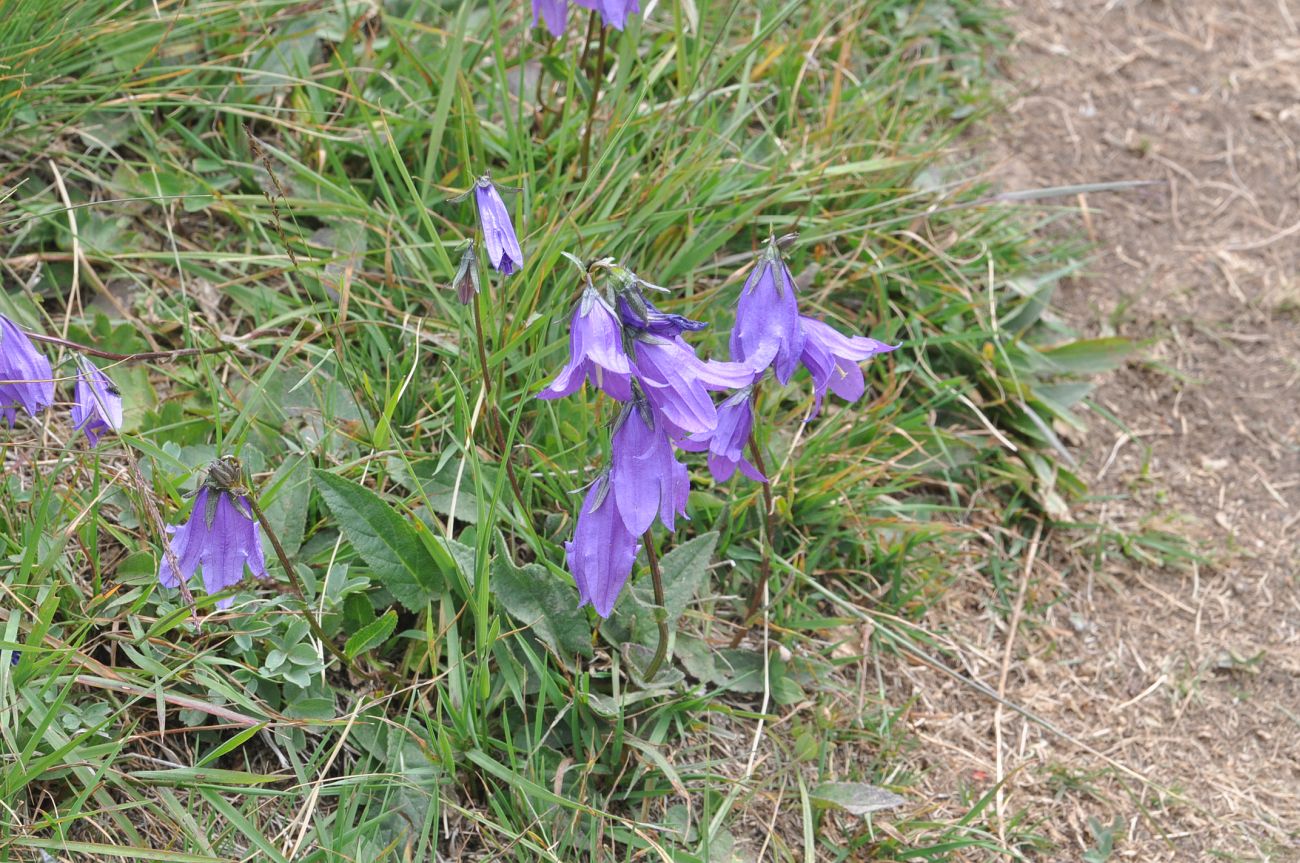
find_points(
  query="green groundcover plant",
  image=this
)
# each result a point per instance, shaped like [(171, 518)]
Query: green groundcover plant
[(288, 293)]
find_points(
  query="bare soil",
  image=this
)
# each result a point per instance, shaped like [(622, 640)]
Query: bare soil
[(1182, 680)]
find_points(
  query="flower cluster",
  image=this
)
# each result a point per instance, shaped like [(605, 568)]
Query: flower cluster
[(27, 382), (636, 354)]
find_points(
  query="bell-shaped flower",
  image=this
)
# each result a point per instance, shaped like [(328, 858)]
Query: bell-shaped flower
[(832, 358), (726, 443), (498, 232), (26, 380), (613, 13), (595, 352), (646, 476), (767, 333), (677, 383), (554, 12), (97, 405), (222, 537), (602, 551)]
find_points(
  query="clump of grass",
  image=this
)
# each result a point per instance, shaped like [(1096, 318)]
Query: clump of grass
[(277, 176)]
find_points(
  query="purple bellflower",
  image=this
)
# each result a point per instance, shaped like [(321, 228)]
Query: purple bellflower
[(26, 379), (97, 405), (221, 535), (677, 383), (602, 551), (767, 332), (726, 443), (646, 476), (595, 352), (832, 358), (613, 12), (498, 232), (554, 12)]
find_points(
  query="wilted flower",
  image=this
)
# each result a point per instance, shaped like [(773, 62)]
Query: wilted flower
[(677, 383), (767, 330), (554, 12), (726, 443), (833, 358), (650, 319), (595, 352), (602, 551), (466, 279), (26, 379), (97, 405), (646, 476), (221, 536), (613, 12), (498, 232)]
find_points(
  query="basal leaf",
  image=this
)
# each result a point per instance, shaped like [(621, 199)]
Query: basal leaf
[(371, 635), (540, 600), (386, 541)]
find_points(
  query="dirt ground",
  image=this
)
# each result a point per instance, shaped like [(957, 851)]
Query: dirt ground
[(1186, 679)]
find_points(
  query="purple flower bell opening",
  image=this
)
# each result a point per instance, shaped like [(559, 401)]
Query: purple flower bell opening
[(832, 358), (677, 383), (646, 476), (498, 232), (602, 551), (726, 443), (595, 352), (97, 405), (221, 536), (555, 13), (767, 332), (26, 380)]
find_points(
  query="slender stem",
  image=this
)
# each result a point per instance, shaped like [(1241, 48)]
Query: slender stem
[(769, 539), (595, 96), (494, 421), (155, 519), (128, 358), (656, 579), (312, 622)]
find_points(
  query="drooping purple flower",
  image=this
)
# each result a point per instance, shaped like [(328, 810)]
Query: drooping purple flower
[(498, 232), (726, 443), (663, 324), (221, 536), (595, 352), (602, 551), (613, 12), (97, 405), (26, 379), (646, 476), (554, 12), (832, 358), (677, 383), (767, 330)]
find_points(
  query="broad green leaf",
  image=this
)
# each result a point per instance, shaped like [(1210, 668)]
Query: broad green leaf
[(539, 600), (371, 636), (855, 798), (385, 540), (1089, 356), (684, 571)]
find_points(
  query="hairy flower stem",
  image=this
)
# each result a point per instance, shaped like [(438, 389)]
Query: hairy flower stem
[(155, 519), (656, 579), (494, 421), (769, 540), (312, 622), (595, 97)]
